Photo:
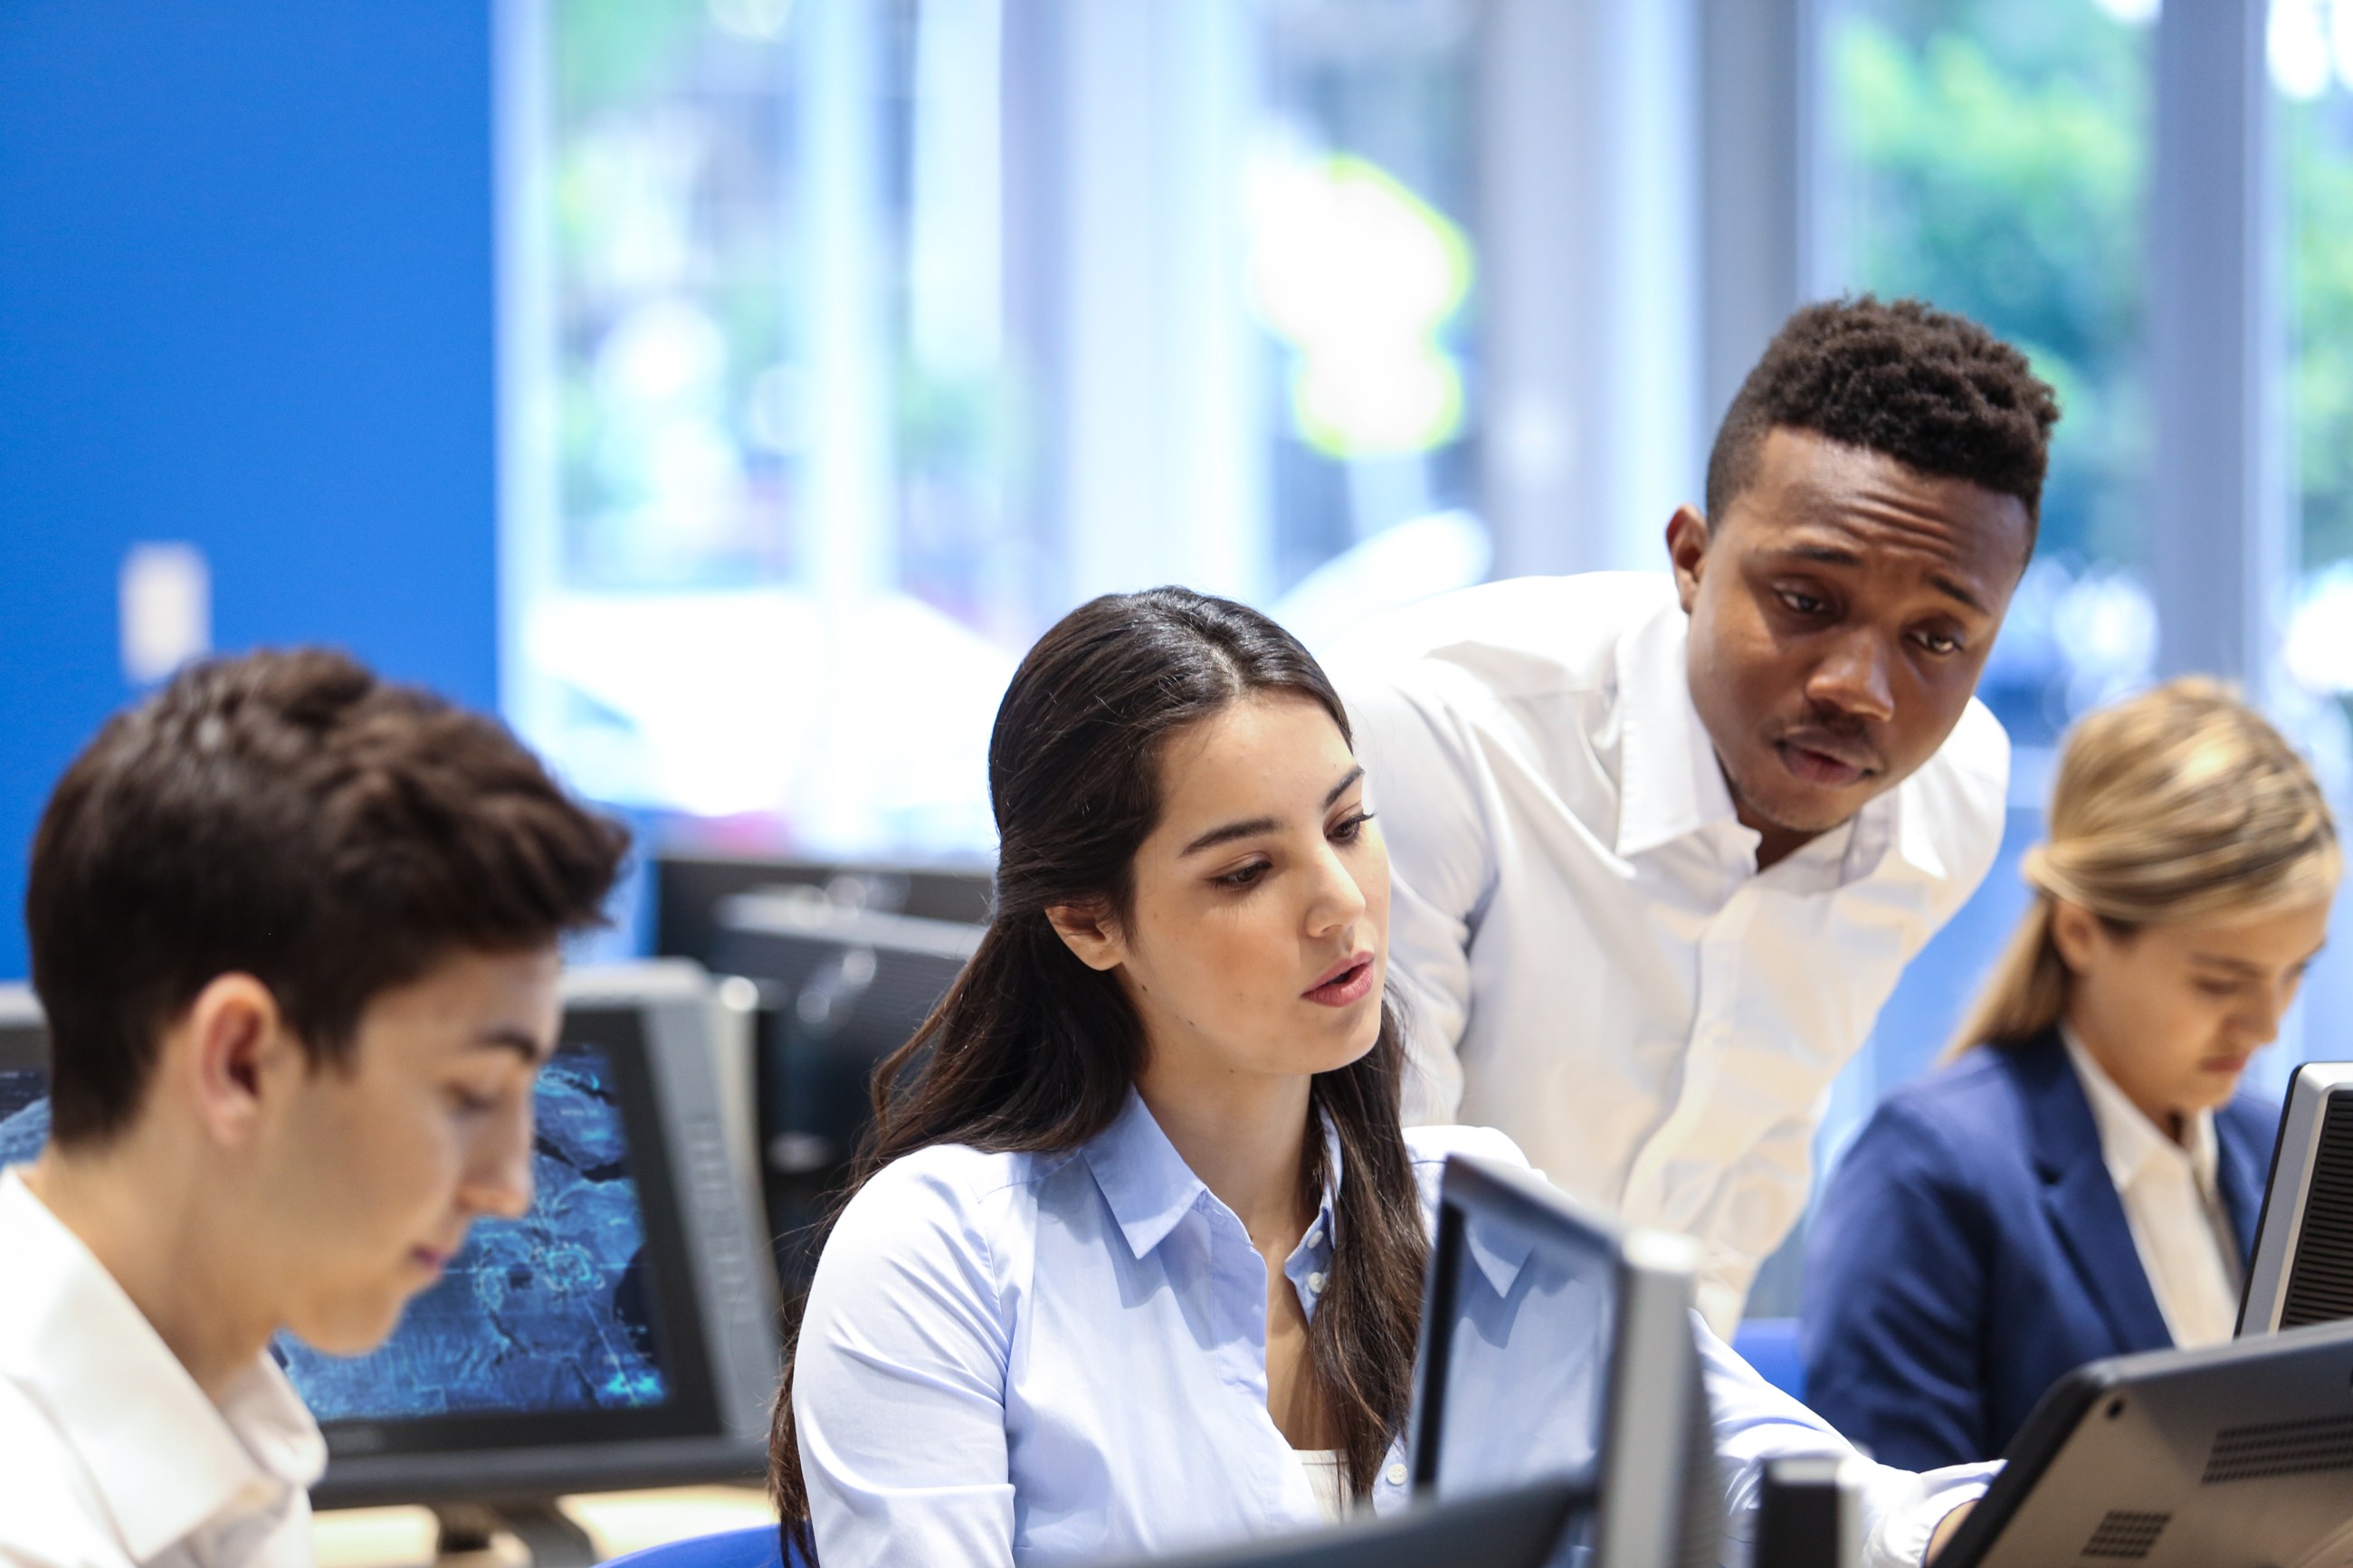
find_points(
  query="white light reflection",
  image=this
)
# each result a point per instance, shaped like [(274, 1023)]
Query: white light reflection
[(2296, 45)]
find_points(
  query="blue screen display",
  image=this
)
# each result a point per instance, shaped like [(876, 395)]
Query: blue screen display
[(547, 1313)]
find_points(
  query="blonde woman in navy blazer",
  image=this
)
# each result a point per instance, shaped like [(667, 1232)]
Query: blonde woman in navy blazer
[(2082, 1178)]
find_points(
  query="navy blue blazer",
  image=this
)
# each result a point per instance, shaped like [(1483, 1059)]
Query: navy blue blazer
[(1971, 1250)]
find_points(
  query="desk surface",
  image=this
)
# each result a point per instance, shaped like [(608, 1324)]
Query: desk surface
[(616, 1521)]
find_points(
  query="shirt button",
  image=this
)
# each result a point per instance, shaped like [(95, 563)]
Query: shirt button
[(1315, 1283), (1396, 1476)]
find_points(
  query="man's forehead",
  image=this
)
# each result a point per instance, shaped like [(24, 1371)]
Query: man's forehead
[(1823, 499)]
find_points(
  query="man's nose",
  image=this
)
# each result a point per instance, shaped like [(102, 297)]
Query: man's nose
[(1854, 679), (499, 1182)]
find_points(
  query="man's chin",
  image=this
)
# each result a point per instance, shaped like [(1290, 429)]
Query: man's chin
[(352, 1329), (1787, 807)]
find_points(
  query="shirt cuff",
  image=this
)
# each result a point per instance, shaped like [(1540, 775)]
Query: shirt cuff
[(1721, 1303), (1905, 1509)]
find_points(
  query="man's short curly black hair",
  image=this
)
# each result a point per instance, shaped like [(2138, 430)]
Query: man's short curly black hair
[(1934, 391)]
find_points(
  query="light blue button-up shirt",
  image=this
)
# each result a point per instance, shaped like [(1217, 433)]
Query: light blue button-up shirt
[(1050, 1358)]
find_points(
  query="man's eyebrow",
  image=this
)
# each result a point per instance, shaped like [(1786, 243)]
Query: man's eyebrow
[(1257, 825), (1836, 555), (524, 1043), (1951, 589)]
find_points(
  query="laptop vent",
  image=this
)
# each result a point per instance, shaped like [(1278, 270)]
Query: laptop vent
[(2320, 1276), (2281, 1448), (2126, 1537)]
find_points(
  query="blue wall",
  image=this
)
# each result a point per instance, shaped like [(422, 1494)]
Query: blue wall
[(246, 300)]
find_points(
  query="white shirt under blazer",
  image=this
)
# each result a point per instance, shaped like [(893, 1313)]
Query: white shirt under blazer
[(1592, 962)]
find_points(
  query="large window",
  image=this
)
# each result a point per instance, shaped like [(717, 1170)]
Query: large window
[(856, 340), (2311, 60), (1993, 157)]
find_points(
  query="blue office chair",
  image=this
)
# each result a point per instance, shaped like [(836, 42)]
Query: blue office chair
[(753, 1548), (1771, 1345)]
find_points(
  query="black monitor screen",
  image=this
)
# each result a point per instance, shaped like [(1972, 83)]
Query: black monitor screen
[(575, 1322), (1522, 1328)]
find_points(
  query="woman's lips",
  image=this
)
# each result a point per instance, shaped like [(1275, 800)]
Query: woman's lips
[(1350, 983)]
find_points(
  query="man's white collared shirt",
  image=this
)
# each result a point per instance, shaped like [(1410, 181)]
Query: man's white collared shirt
[(2172, 1199), (110, 1455), (1594, 963)]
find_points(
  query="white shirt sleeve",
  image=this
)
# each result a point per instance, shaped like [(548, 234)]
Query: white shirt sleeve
[(1756, 1422), (1424, 783), (1763, 1197), (899, 1385)]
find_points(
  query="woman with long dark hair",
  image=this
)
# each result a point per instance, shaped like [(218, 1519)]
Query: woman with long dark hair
[(1136, 1252)]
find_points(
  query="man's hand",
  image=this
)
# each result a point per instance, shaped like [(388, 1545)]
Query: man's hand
[(1944, 1533)]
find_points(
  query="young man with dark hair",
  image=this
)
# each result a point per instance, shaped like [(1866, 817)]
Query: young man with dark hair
[(1662, 845), (294, 930)]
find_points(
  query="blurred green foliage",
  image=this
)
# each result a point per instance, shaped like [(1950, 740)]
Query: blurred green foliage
[(2318, 140), (1994, 159)]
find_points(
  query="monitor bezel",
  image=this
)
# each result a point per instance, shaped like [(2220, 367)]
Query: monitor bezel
[(1651, 1392), (2279, 1225)]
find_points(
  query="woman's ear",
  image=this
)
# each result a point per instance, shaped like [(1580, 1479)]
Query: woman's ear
[(1089, 932), (2075, 932)]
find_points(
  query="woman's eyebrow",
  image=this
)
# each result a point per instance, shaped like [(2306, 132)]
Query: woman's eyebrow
[(1256, 825)]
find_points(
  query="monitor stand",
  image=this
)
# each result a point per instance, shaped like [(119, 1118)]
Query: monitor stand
[(550, 1535)]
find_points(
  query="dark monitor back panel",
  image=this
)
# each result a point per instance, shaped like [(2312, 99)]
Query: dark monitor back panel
[(2235, 1456), (835, 1003)]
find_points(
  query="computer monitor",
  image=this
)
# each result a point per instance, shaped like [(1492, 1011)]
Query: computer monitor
[(1554, 1346), (1515, 1528), (691, 890), (2302, 1271), (840, 990), (24, 1076), (622, 1334), (2235, 1456)]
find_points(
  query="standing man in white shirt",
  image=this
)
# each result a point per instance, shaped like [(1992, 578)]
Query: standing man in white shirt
[(1663, 844), (294, 931)]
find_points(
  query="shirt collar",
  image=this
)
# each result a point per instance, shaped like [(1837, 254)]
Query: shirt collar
[(1150, 1187), (2130, 1143), (1671, 786), (165, 1459)]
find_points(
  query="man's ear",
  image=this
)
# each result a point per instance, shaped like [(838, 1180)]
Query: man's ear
[(234, 1049), (1687, 548), (1089, 932)]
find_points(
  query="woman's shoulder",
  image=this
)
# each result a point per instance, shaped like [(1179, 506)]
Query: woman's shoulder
[(1961, 1126), (946, 1189), (1429, 1146)]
